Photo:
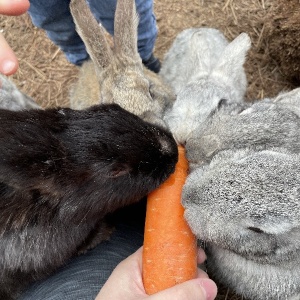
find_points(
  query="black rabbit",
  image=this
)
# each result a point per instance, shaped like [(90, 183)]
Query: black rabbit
[(61, 172)]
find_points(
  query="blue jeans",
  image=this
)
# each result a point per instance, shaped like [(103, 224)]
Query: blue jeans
[(55, 18), (83, 276)]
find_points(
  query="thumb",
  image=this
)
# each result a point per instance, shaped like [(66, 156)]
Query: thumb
[(195, 289)]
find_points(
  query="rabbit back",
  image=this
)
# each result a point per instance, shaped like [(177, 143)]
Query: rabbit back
[(87, 90)]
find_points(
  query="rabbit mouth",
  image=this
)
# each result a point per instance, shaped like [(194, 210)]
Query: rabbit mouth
[(258, 257), (273, 256)]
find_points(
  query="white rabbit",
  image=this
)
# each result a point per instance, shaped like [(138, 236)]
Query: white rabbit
[(242, 196), (203, 69), (13, 99), (117, 76)]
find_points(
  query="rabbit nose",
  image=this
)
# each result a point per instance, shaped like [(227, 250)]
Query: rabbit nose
[(165, 145)]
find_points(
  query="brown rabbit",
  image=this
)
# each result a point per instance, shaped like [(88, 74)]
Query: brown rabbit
[(117, 75)]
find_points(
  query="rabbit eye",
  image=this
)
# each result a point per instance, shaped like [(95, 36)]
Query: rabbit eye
[(255, 229), (222, 102)]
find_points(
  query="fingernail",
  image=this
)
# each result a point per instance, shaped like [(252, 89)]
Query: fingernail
[(7, 66), (201, 256), (209, 288)]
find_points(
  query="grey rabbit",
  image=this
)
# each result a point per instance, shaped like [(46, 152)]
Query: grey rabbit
[(12, 98), (242, 197), (203, 68), (62, 171), (117, 75)]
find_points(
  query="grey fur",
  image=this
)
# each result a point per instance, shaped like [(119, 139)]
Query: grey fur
[(117, 76), (262, 125), (203, 69), (242, 196), (239, 193), (13, 99)]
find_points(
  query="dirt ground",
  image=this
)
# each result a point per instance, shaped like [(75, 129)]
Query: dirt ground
[(46, 75)]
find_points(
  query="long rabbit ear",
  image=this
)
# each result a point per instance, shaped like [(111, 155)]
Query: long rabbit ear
[(125, 29), (233, 57), (92, 33)]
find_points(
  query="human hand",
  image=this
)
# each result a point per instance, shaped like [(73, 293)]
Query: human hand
[(8, 60), (126, 283)]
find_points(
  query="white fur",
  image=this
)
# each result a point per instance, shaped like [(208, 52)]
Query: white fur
[(202, 67)]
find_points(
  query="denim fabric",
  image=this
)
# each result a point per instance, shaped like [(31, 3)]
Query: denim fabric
[(54, 17), (83, 276)]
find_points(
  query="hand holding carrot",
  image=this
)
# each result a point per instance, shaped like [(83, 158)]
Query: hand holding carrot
[(8, 60), (126, 283)]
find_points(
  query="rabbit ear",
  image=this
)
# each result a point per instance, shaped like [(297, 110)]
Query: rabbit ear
[(92, 33), (289, 100), (290, 97), (233, 57), (125, 29)]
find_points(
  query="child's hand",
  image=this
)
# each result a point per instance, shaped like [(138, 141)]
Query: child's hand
[(8, 60)]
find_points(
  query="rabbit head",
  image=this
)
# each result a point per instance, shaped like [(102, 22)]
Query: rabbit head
[(261, 125), (13, 99), (118, 75), (241, 197), (103, 153), (245, 206), (204, 71)]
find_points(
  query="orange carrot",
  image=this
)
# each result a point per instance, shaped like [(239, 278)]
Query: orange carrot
[(170, 248)]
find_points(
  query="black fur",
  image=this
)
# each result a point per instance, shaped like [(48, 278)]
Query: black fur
[(61, 172)]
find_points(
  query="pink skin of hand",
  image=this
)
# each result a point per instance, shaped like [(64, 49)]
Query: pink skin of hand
[(126, 283), (8, 60)]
